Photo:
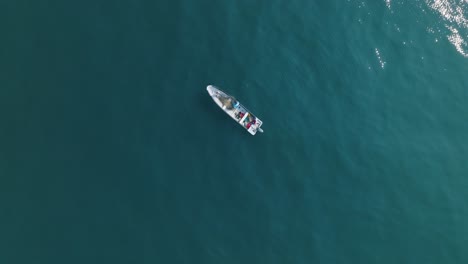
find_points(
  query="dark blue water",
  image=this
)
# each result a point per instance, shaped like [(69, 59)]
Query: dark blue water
[(111, 151)]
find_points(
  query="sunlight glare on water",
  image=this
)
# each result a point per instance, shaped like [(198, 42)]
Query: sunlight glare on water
[(455, 16)]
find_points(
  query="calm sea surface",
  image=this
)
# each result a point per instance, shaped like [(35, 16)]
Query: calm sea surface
[(111, 151)]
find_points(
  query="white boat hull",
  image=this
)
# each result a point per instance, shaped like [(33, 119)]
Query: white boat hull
[(235, 110)]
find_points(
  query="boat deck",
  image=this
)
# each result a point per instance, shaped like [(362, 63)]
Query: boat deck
[(244, 118)]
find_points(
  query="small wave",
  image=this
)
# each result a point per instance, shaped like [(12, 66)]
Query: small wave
[(381, 61)]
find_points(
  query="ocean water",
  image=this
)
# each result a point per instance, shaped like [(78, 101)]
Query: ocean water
[(111, 151)]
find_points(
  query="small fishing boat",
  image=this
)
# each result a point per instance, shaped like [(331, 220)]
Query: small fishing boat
[(234, 109)]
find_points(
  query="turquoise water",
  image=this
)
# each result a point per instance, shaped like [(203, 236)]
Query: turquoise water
[(111, 150)]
